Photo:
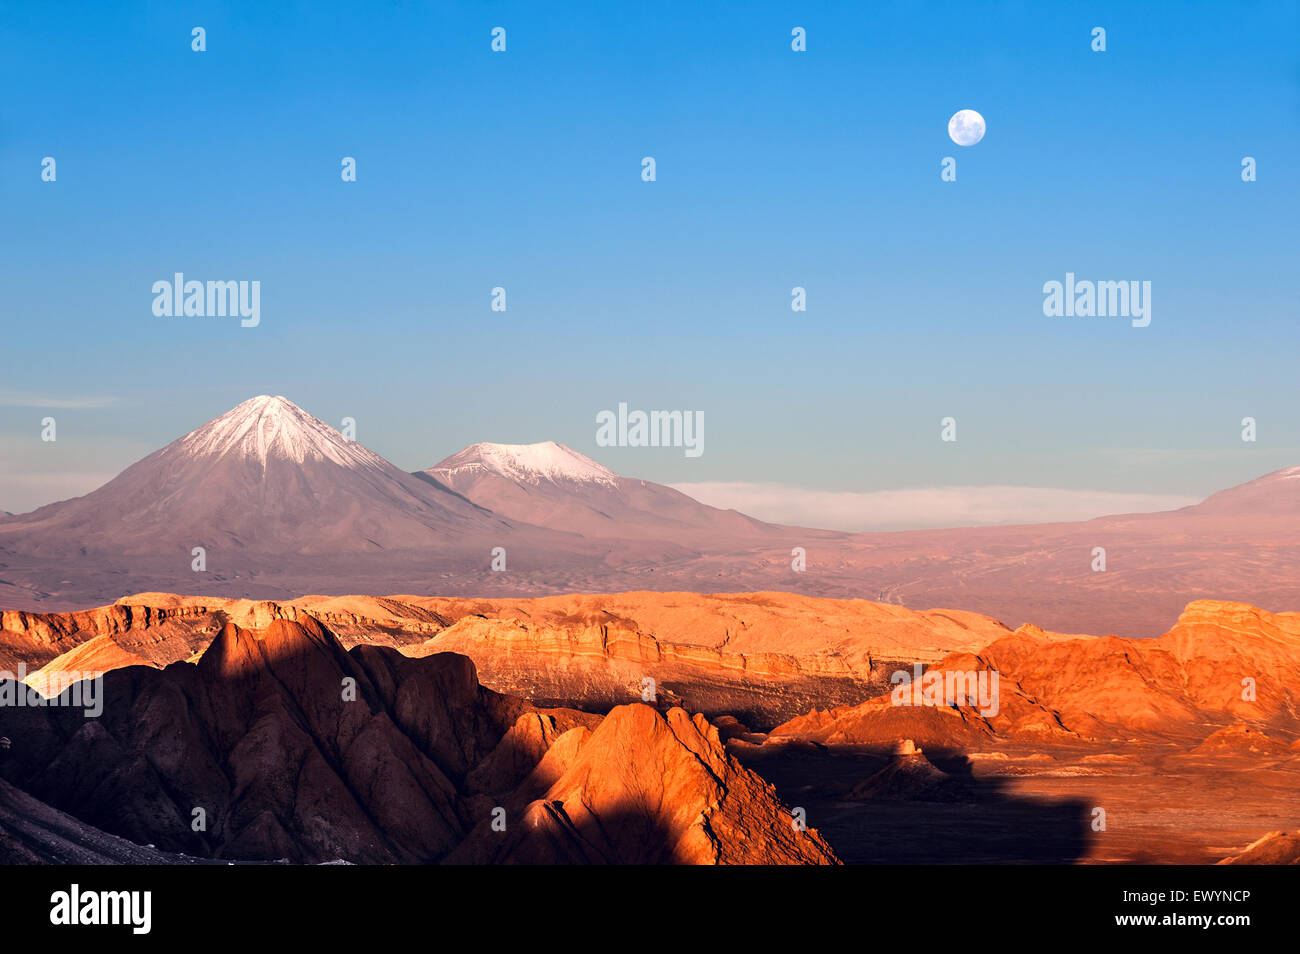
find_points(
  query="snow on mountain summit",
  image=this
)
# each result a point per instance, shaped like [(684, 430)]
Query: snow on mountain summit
[(268, 427), (526, 463), (553, 486)]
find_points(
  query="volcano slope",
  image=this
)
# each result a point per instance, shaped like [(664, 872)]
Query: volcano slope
[(279, 744)]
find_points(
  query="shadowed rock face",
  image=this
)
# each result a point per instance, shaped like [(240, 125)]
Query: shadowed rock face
[(32, 832), (591, 800), (294, 748), (259, 736), (910, 776)]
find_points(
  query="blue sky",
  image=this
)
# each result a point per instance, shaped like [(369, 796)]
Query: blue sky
[(775, 169)]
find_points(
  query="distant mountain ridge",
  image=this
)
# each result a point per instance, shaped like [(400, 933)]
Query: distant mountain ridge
[(554, 486), (283, 504)]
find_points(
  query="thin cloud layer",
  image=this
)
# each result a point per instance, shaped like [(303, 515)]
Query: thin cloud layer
[(924, 508)]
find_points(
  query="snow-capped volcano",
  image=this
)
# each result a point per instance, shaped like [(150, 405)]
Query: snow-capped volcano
[(264, 476), (267, 427), (551, 485), (524, 463)]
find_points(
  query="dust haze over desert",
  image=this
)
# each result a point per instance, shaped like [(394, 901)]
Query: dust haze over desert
[(863, 436)]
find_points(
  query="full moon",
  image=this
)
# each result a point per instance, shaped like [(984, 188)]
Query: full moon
[(966, 127)]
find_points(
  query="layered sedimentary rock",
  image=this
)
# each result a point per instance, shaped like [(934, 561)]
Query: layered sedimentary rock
[(1221, 665), (764, 657), (279, 744), (160, 633), (599, 666), (160, 628)]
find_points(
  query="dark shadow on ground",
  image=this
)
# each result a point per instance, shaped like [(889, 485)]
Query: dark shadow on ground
[(986, 825)]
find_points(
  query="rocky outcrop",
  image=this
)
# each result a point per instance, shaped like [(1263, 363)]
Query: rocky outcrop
[(599, 666), (600, 805), (32, 832), (36, 638), (910, 776), (280, 744), (99, 655), (764, 657), (1275, 848), (879, 723), (1240, 740), (850, 630), (157, 629), (1223, 664), (277, 744)]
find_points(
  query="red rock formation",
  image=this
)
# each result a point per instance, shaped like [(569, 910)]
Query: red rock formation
[(1223, 663), (763, 656), (910, 776), (750, 623), (99, 655), (37, 638), (1275, 848), (1239, 740), (650, 788), (294, 748)]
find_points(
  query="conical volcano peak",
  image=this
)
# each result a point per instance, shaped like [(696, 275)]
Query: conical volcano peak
[(269, 479), (265, 427)]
